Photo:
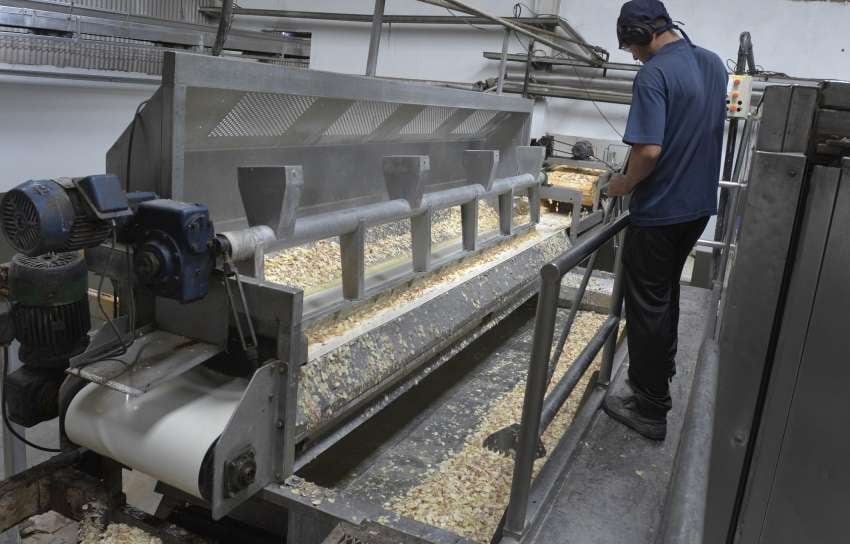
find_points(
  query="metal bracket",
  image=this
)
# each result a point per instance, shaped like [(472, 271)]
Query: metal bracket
[(406, 176), (270, 195), (530, 159), (256, 426), (469, 225), (352, 247), (506, 213), (481, 166), (420, 230)]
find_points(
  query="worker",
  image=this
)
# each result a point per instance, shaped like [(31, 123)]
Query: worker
[(675, 128)]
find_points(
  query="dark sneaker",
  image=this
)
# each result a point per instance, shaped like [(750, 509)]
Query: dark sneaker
[(625, 410)]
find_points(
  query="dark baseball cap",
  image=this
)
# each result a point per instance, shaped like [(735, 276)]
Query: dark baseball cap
[(643, 11)]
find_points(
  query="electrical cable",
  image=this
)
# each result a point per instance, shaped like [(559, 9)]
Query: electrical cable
[(473, 25), (6, 421), (595, 105), (119, 338), (136, 117)]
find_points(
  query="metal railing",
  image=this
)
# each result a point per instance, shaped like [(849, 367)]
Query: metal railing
[(538, 412)]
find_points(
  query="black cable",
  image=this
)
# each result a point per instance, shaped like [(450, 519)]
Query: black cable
[(136, 117), (122, 348), (595, 105), (6, 421)]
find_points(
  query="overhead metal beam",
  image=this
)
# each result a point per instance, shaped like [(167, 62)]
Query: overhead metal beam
[(560, 61), (73, 20), (516, 27), (375, 37), (543, 21)]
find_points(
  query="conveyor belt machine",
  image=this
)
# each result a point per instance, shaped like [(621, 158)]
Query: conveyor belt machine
[(203, 378)]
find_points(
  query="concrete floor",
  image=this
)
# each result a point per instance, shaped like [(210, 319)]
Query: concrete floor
[(615, 487)]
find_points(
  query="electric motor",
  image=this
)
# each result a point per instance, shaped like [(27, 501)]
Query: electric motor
[(51, 312), (583, 150), (43, 216)]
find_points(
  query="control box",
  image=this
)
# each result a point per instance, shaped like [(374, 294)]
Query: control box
[(739, 95)]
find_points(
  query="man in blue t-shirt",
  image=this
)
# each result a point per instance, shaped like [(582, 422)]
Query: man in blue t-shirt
[(675, 128)]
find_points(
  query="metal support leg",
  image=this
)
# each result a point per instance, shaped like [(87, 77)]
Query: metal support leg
[(527, 79), (575, 222), (420, 229), (534, 203), (503, 61), (544, 333), (469, 225), (375, 38), (352, 249), (607, 367), (506, 213), (14, 451)]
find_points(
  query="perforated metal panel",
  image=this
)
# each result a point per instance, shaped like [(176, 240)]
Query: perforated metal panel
[(186, 11), (262, 115), (361, 119), (475, 122), (427, 121)]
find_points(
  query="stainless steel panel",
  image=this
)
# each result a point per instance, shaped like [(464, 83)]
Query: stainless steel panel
[(752, 299), (792, 339), (213, 116), (801, 113), (257, 426), (811, 494), (833, 124), (835, 95), (775, 104), (152, 359)]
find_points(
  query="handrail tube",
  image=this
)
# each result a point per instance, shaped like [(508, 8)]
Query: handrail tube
[(617, 295), (684, 513), (579, 296), (568, 326), (564, 388), (544, 332), (337, 223), (594, 241)]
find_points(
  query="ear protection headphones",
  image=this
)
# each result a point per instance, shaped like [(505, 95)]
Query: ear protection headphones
[(640, 33)]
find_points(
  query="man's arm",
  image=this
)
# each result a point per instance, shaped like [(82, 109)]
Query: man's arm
[(642, 162)]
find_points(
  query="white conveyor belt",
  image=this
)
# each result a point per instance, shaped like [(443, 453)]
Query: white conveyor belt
[(164, 433)]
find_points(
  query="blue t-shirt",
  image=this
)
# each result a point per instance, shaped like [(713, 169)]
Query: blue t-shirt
[(679, 103)]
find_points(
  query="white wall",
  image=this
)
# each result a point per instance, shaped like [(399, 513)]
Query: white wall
[(800, 38), (52, 129), (49, 129), (447, 53)]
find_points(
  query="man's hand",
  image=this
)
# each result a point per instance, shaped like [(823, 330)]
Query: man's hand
[(642, 161), (620, 185)]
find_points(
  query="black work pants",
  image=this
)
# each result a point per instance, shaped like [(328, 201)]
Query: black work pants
[(653, 258)]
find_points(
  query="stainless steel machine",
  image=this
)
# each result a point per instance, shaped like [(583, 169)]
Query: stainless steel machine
[(203, 376), (231, 389)]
